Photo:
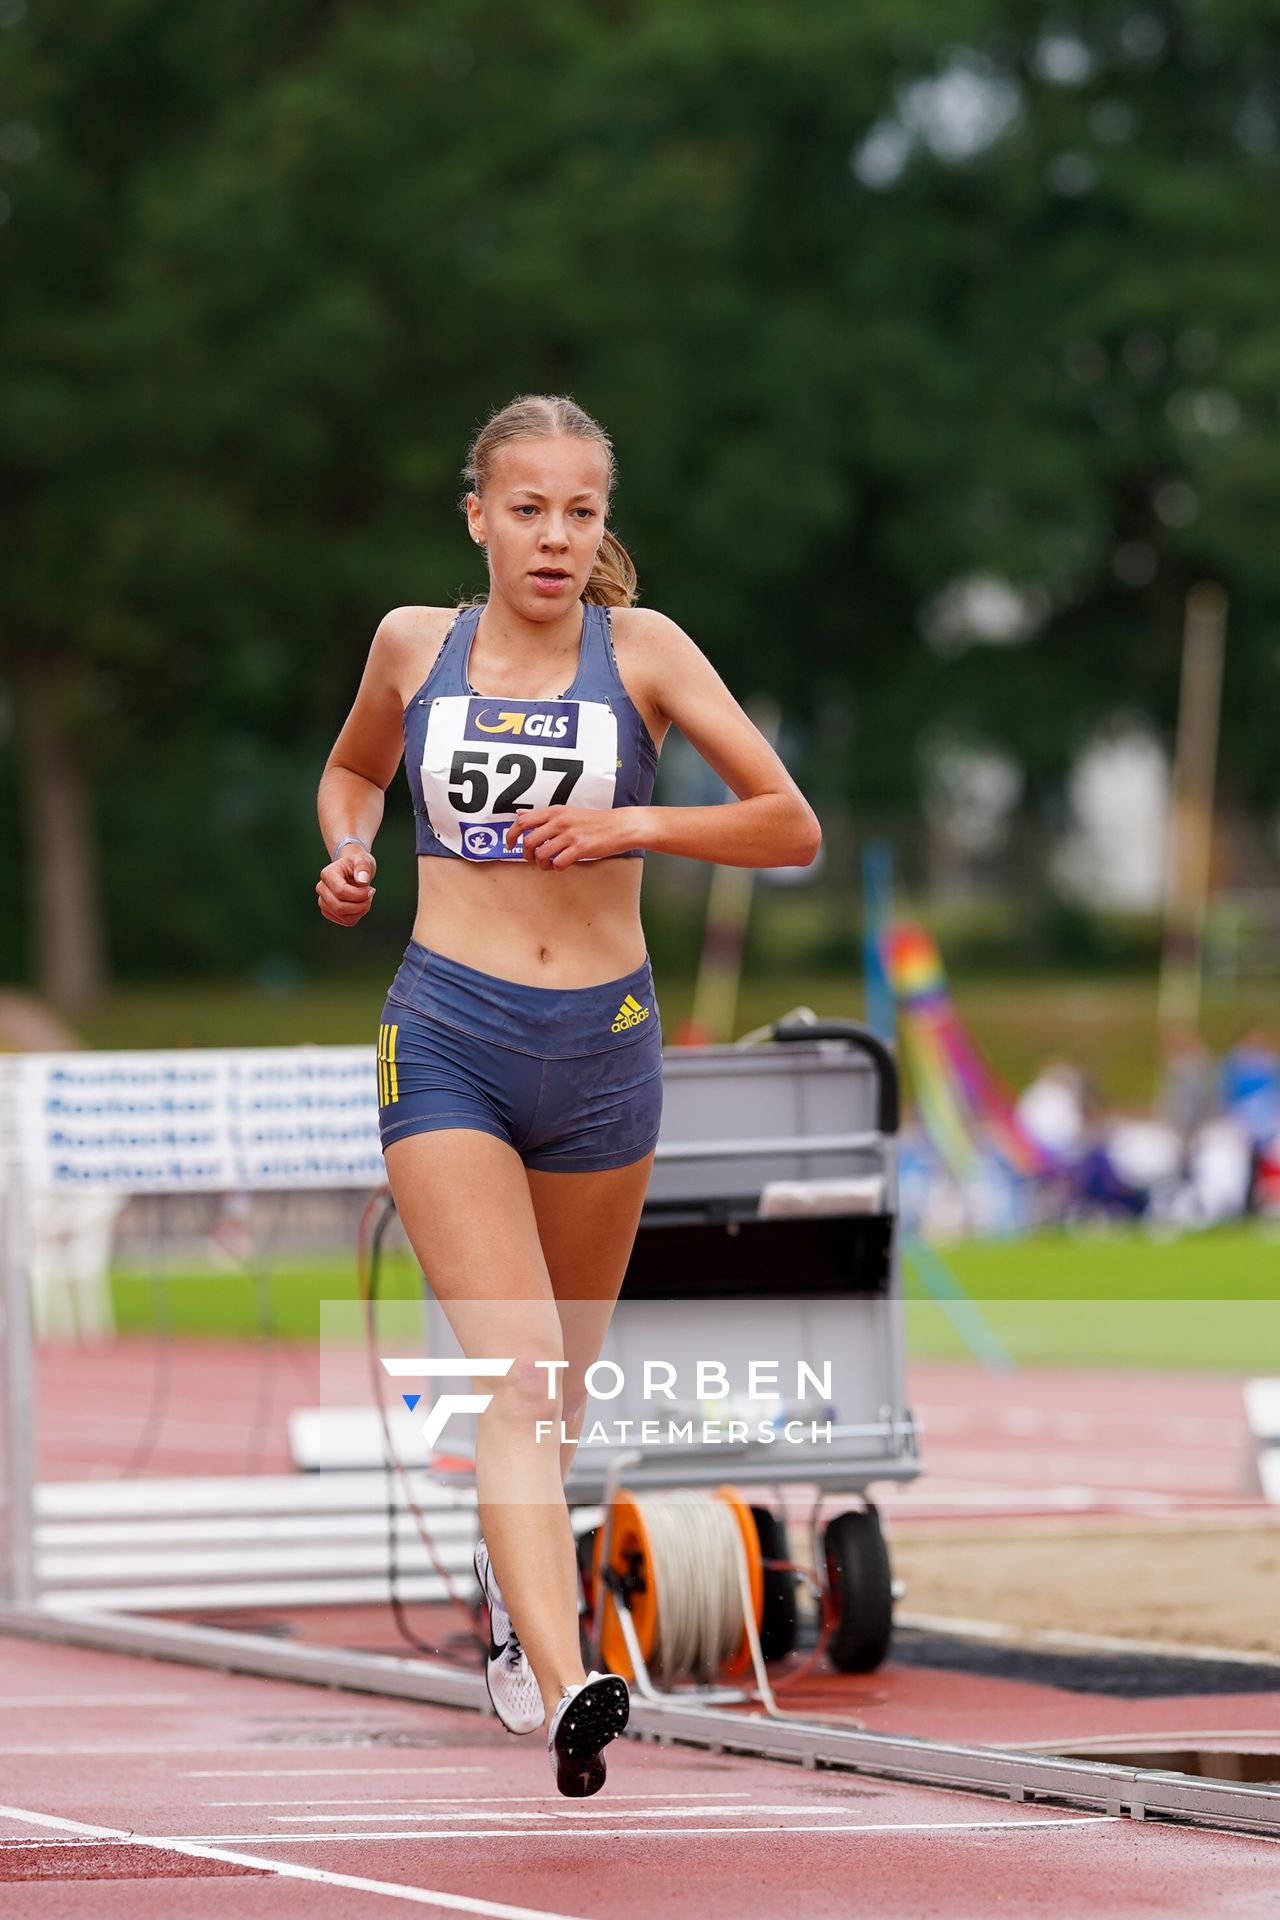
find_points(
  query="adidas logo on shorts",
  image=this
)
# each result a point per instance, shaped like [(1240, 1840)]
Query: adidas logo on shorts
[(629, 1014), (388, 1072)]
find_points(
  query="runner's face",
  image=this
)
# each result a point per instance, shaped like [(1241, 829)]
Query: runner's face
[(542, 520)]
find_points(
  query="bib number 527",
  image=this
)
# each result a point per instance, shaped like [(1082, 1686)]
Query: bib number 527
[(472, 782)]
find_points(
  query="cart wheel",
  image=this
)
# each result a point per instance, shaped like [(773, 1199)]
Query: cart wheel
[(861, 1584), (778, 1624)]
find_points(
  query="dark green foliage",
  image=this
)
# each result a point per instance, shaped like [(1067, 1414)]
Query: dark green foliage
[(265, 269)]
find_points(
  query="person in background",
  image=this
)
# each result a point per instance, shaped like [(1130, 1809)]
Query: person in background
[(1251, 1095), (1188, 1094), (1065, 1116), (1052, 1109)]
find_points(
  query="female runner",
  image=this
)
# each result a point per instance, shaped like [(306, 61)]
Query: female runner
[(520, 1056)]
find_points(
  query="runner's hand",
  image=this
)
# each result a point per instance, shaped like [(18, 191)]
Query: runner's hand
[(556, 837), (345, 888)]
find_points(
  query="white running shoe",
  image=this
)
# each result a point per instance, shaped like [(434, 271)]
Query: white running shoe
[(586, 1720), (516, 1695)]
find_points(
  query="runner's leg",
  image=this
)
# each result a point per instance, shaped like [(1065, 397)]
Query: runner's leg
[(586, 1225), (463, 1199)]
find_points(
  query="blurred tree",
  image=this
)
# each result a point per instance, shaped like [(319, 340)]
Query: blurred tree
[(106, 556), (938, 341)]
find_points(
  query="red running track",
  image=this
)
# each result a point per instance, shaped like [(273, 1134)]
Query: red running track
[(135, 1789), (1042, 1440), (926, 1703), (106, 1747)]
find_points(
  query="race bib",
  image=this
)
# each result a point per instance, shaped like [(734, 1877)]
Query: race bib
[(487, 761)]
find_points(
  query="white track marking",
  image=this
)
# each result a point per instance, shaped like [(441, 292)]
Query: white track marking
[(1108, 1467), (556, 1832), (1060, 1637), (463, 1799), (311, 1773), (1102, 1743), (233, 1746), (291, 1870), (459, 1812), (78, 1700), (948, 1498), (64, 1845), (170, 1749), (1115, 1430)]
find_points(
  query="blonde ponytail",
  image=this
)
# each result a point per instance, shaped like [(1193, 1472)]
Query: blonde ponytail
[(539, 416), (613, 577)]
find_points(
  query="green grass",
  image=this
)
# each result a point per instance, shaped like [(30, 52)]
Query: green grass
[(1051, 1301), (221, 1013), (284, 1300), (228, 1014), (1229, 1263), (1107, 1025), (1208, 1300), (1230, 1336)]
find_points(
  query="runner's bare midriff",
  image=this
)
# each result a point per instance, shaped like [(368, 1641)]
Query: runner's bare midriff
[(569, 929)]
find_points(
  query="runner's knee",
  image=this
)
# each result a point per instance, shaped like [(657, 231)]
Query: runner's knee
[(531, 1389)]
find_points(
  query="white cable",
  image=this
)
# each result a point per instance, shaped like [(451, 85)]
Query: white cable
[(694, 1574)]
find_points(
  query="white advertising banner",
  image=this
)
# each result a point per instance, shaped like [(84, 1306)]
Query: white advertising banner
[(197, 1120)]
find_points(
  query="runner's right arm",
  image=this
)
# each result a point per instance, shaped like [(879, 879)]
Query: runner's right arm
[(357, 773)]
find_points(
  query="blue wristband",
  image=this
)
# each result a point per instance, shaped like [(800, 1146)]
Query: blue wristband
[(351, 837)]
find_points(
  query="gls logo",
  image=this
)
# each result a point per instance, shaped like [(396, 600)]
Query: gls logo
[(448, 1403), (553, 721), (535, 726)]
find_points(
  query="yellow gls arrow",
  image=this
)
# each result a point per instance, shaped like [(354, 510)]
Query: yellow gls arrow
[(507, 723)]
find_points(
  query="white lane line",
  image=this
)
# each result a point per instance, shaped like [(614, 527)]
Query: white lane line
[(170, 1749), (382, 1799), (1050, 1637), (290, 1869), (289, 1773), (462, 1799), (459, 1812), (78, 1700), (1106, 1469), (1102, 1743), (1070, 1423), (944, 1496), (557, 1832)]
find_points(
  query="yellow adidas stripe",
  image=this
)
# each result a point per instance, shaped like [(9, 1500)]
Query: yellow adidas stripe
[(388, 1072), (633, 1003)]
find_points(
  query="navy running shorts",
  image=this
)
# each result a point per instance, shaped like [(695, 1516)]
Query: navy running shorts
[(571, 1077)]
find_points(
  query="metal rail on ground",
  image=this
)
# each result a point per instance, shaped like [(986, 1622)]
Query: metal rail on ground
[(1138, 1793)]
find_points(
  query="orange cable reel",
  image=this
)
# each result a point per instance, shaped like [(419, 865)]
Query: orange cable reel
[(632, 1559)]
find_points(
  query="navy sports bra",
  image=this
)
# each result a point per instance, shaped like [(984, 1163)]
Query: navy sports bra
[(475, 762)]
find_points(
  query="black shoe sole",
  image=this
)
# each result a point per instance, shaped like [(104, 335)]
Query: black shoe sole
[(596, 1715)]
